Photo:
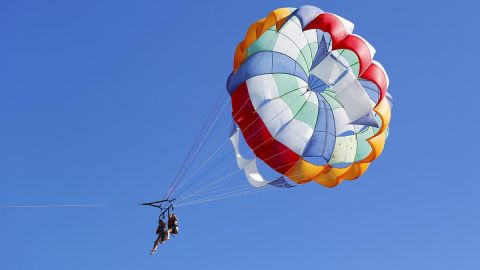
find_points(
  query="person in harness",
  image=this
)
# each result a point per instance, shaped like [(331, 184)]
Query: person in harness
[(172, 223), (162, 235)]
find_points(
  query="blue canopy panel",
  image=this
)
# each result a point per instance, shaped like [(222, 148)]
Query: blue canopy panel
[(367, 120), (281, 182), (341, 164), (315, 83), (265, 62), (306, 14), (373, 91), (390, 100), (324, 41), (321, 144)]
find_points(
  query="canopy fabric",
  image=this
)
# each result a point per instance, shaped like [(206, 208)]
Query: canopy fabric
[(308, 97)]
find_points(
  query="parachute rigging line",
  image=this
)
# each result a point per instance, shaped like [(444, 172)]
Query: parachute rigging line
[(186, 164), (223, 197), (188, 177), (201, 138), (183, 200), (66, 205)]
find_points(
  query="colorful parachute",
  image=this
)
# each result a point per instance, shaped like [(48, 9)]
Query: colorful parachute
[(308, 97), (308, 101)]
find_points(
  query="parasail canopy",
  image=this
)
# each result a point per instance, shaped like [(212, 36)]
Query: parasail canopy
[(308, 102), (308, 97)]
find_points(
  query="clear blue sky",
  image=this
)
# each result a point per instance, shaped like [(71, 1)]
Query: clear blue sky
[(90, 112)]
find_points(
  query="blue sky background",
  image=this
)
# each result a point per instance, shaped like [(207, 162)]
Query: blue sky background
[(101, 100)]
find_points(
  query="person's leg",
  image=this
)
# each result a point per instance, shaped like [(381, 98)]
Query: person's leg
[(155, 245), (162, 236)]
